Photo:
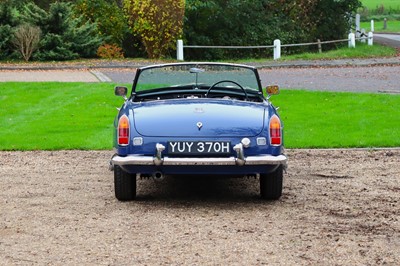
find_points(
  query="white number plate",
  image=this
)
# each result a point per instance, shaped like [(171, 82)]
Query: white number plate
[(199, 147)]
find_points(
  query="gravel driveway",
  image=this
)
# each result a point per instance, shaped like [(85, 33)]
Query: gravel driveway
[(339, 207)]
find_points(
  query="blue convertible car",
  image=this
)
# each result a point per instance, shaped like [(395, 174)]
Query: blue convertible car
[(198, 119)]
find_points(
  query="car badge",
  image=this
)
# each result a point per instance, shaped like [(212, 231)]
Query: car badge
[(199, 110), (199, 125)]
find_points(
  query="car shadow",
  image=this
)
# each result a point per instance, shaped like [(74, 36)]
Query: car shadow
[(199, 189)]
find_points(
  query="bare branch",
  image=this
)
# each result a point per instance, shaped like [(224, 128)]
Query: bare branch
[(26, 40)]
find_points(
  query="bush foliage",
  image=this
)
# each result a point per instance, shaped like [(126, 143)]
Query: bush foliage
[(110, 51), (158, 23), (108, 16), (8, 22), (259, 22), (64, 34), (77, 28)]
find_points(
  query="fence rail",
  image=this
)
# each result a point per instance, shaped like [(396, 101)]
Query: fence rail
[(277, 45), (227, 47)]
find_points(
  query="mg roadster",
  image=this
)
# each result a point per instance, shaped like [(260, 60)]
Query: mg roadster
[(198, 119)]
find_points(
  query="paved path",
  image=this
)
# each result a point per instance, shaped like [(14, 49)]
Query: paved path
[(48, 75), (366, 75), (387, 39), (395, 37), (384, 79)]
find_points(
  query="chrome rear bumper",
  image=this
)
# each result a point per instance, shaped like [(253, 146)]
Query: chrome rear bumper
[(149, 160)]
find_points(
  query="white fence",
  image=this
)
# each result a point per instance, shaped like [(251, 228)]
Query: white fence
[(277, 45)]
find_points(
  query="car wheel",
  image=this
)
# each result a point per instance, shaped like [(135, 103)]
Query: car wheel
[(271, 184), (124, 184)]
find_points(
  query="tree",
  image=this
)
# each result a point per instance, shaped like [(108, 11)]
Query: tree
[(45, 4), (158, 23), (332, 18), (237, 23), (259, 22), (108, 16), (65, 34), (26, 39), (319, 19), (8, 22), (14, 3)]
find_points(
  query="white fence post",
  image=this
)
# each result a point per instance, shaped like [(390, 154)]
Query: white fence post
[(358, 25), (372, 25), (277, 49), (179, 50), (370, 38), (352, 40)]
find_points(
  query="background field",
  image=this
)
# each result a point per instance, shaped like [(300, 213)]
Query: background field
[(378, 11), (392, 26), (52, 116), (372, 4)]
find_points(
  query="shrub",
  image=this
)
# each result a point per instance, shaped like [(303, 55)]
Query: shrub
[(158, 23), (26, 40), (259, 22), (110, 51), (240, 23)]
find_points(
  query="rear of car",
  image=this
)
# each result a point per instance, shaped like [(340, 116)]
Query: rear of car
[(197, 119)]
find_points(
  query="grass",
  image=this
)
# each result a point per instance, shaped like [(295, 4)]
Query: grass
[(339, 120), (392, 26), (373, 4), (361, 51), (53, 116)]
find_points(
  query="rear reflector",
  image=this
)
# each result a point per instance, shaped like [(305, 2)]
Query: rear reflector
[(123, 131), (275, 132)]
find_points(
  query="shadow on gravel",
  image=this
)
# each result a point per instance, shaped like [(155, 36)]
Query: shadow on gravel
[(198, 190)]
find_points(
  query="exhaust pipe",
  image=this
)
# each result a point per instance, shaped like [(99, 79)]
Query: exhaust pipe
[(158, 176)]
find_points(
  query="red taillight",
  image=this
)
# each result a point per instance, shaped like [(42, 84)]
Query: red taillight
[(123, 130), (275, 132)]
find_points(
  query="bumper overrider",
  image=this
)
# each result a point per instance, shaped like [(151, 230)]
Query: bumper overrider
[(159, 160)]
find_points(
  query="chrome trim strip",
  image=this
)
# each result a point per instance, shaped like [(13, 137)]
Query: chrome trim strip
[(250, 160)]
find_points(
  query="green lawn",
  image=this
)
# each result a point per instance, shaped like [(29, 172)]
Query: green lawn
[(391, 26), (361, 51), (51, 116), (339, 120), (55, 115), (372, 4)]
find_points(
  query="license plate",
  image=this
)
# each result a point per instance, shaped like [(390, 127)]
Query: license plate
[(199, 147)]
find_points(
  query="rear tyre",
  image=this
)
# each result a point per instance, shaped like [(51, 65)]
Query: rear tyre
[(271, 184), (124, 184)]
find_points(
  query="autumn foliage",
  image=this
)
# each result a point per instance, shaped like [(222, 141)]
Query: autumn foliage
[(158, 23), (110, 51)]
